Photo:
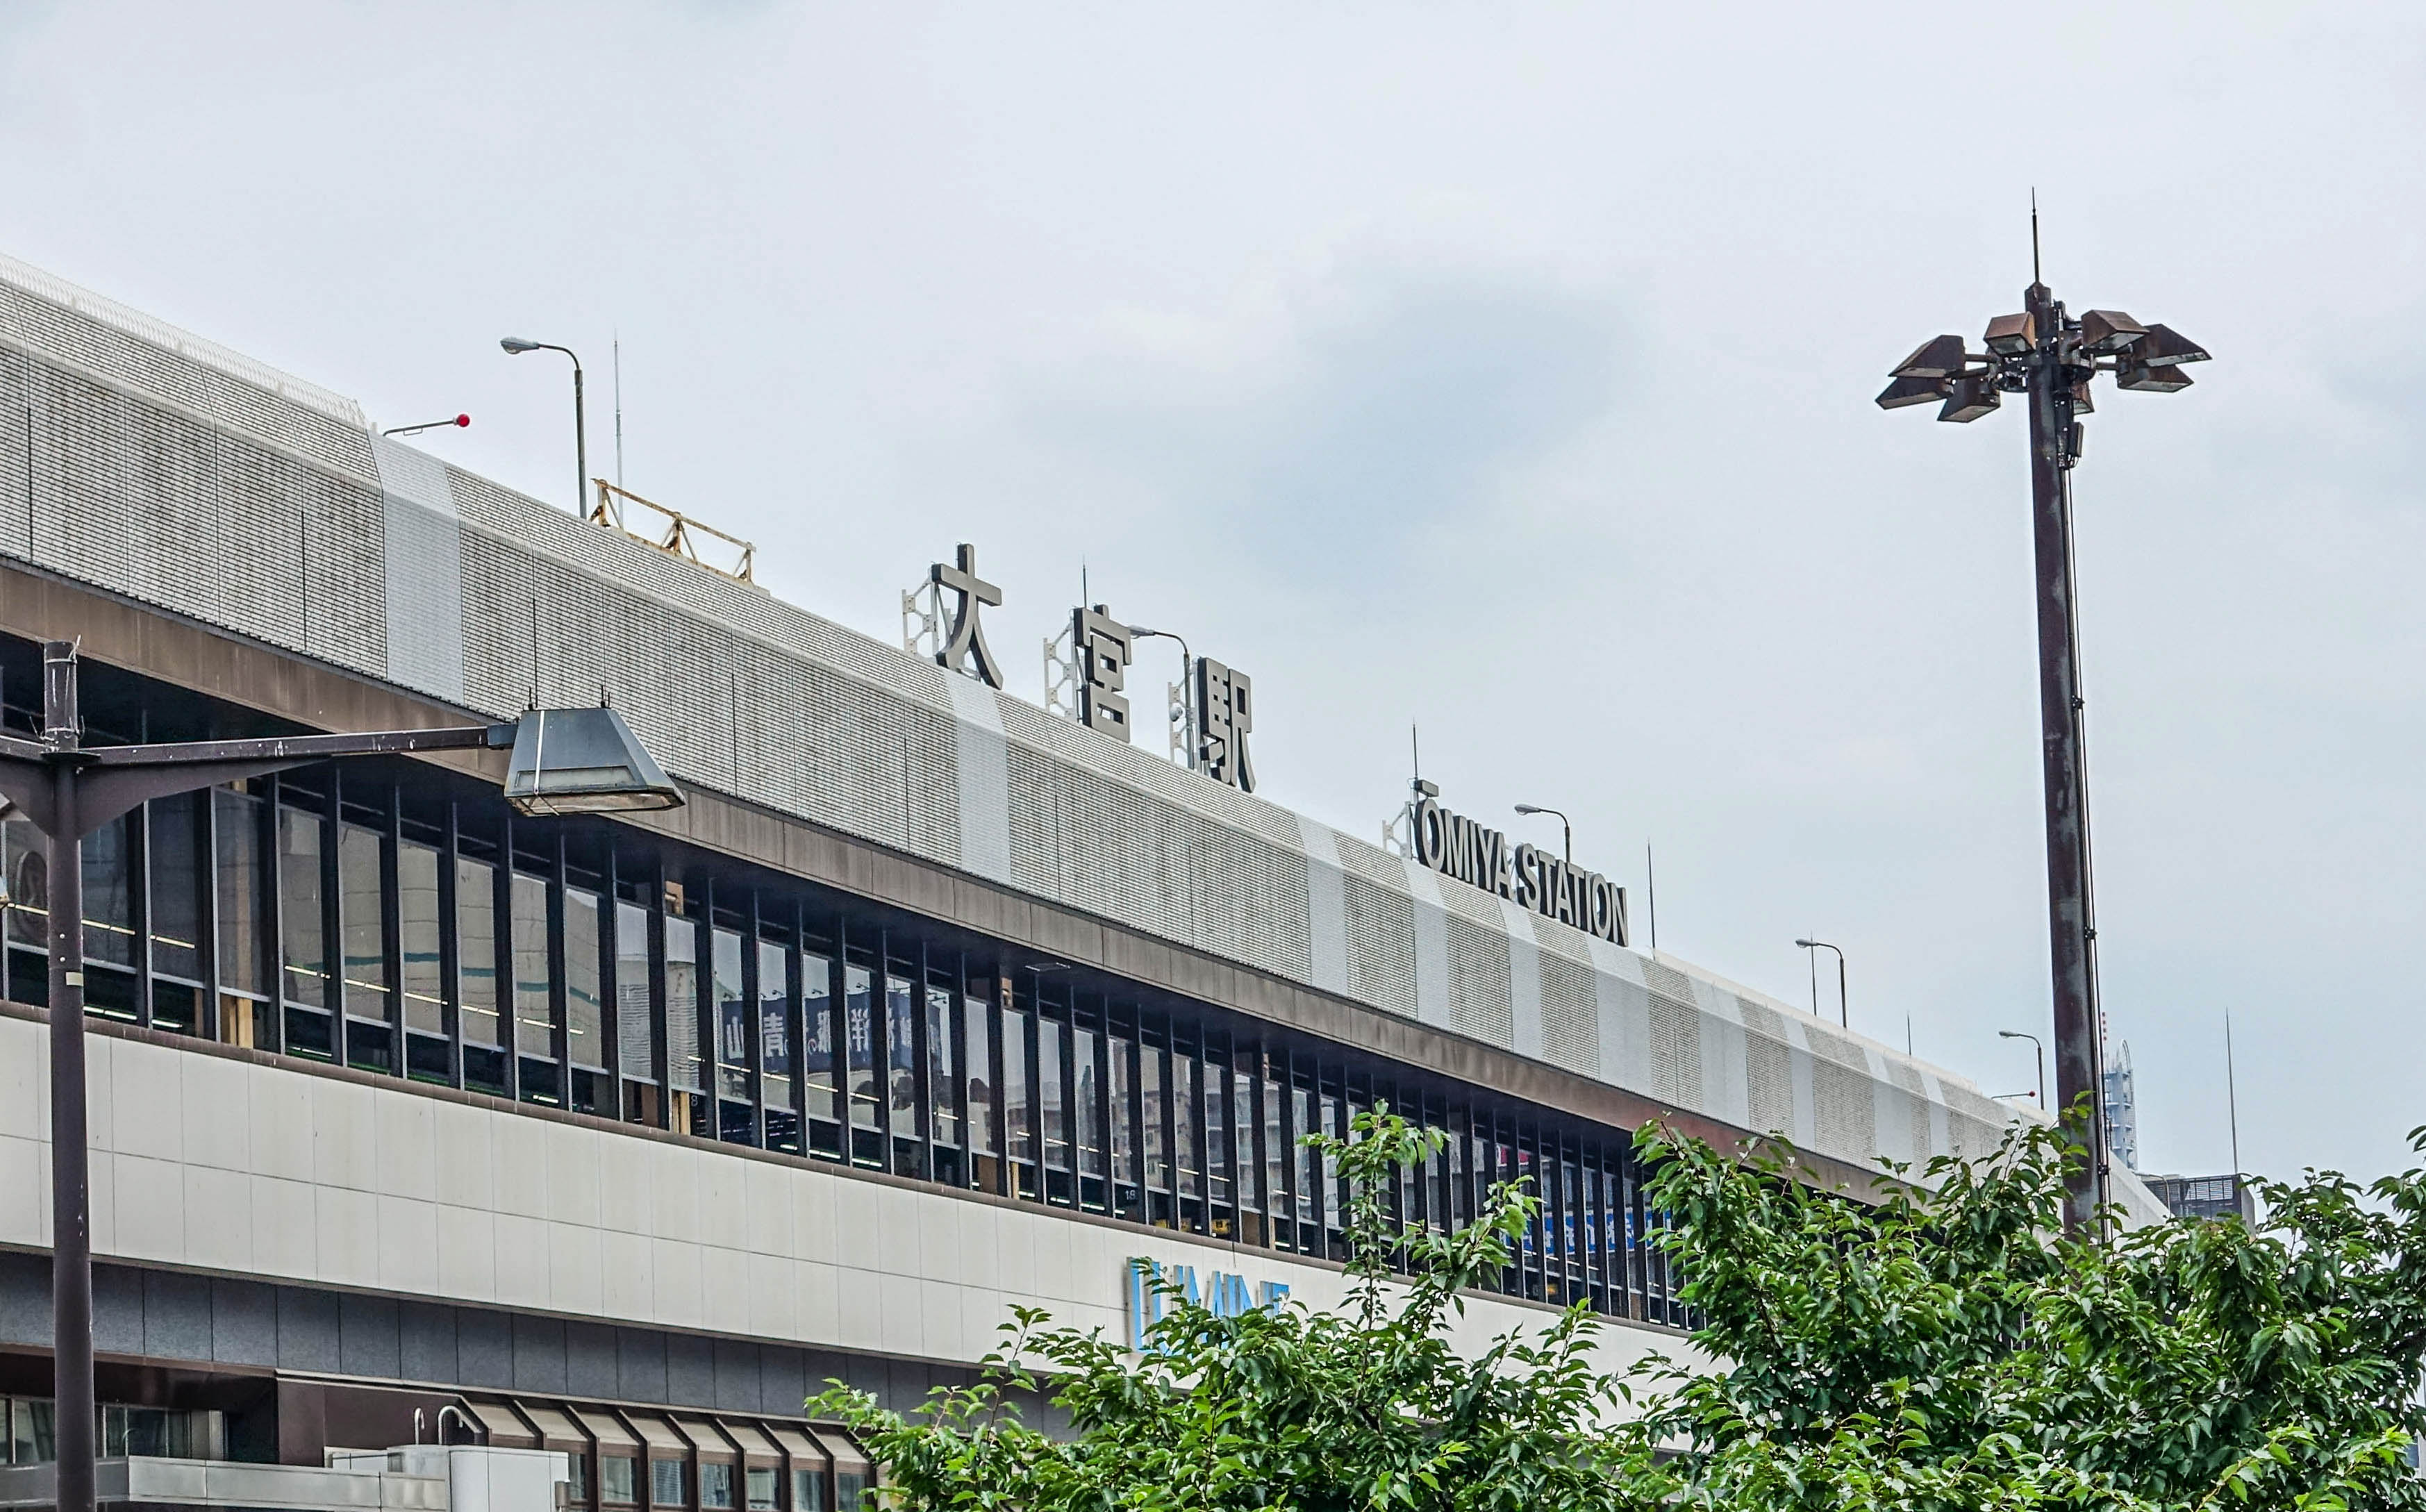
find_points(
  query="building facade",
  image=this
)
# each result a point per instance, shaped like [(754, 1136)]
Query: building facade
[(620, 1136)]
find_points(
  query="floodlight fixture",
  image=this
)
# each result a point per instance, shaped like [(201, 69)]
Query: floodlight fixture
[(1970, 396), (1902, 391), (2168, 347), (1937, 357), (2011, 335), (2140, 378), (2108, 331), (583, 761), (2050, 358)]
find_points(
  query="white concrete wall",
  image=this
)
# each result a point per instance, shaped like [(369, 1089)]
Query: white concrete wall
[(209, 1162)]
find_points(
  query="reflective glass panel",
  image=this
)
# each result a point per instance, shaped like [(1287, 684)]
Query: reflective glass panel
[(1052, 1105), (416, 898), (901, 1054), (977, 1064), (361, 921), (109, 905), (941, 1064), (534, 1016), (177, 886), (817, 1033), (635, 1027), (859, 1029), (775, 1024), (732, 1017), (475, 948), (306, 977), (682, 1004), (585, 1004)]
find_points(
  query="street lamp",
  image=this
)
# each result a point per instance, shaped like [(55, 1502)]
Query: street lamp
[(1187, 687), (2037, 1050), (2046, 354), (564, 761), (458, 422), (1569, 830), (1844, 1014), (515, 347)]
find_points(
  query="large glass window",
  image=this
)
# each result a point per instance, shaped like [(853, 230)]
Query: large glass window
[(1086, 1091), (731, 1016), (859, 1032), (635, 1027), (682, 1005), (666, 1485), (808, 1490), (534, 1016), (715, 1486), (475, 948), (585, 1004), (236, 822), (1122, 1056), (306, 975), (901, 1071), (1190, 1152), (177, 886), (1154, 1089), (616, 1486), (775, 1029), (976, 1067), (361, 921), (108, 901), (1019, 1131), (818, 1068), (1276, 1158), (416, 897), (942, 1083), (1053, 1109)]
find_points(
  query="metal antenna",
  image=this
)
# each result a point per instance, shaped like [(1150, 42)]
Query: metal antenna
[(1651, 887), (2034, 235), (619, 408), (1416, 751), (2231, 1097)]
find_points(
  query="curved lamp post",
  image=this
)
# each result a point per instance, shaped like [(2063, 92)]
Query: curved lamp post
[(515, 347), (1844, 1014), (573, 760)]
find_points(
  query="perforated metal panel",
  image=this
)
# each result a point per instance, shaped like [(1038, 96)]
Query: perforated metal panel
[(154, 465)]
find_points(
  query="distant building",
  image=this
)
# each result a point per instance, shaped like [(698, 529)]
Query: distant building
[(2121, 1110), (2205, 1197)]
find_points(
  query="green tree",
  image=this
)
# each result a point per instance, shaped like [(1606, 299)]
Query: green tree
[(1950, 1347), (1941, 1346), (1367, 1406)]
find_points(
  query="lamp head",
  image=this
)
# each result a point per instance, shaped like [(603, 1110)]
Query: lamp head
[(2106, 332), (1529, 808), (2141, 378), (2008, 1034), (2164, 347), (2012, 335), (1902, 393), (1970, 396), (1937, 357), (1141, 632), (1804, 944), (583, 761), (516, 346)]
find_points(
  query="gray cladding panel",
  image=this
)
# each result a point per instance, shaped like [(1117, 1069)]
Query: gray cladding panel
[(154, 465)]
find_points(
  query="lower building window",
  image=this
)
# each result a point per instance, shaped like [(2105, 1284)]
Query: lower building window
[(666, 1483), (615, 1480), (714, 1486)]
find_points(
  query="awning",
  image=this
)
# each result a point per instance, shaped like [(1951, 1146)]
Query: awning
[(757, 1448), (664, 1443), (503, 1429), (611, 1434), (705, 1440), (556, 1430), (804, 1455)]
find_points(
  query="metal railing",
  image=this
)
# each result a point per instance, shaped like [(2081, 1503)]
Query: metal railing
[(680, 534)]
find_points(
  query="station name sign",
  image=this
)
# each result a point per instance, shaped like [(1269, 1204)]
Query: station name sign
[(1456, 846)]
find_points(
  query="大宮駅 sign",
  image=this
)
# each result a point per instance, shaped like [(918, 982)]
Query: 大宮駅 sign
[(1456, 846)]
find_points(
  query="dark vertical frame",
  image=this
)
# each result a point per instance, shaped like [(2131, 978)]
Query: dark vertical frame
[(392, 924), (206, 1013), (271, 1035), (450, 943)]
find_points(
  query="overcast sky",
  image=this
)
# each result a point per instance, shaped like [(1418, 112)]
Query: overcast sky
[(1503, 370)]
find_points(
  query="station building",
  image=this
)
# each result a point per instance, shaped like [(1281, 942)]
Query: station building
[(620, 1136)]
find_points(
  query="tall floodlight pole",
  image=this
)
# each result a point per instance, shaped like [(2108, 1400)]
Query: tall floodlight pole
[(2046, 355), (579, 760)]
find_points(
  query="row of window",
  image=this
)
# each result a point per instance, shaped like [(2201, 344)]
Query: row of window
[(386, 926), (680, 1462), (28, 1432)]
